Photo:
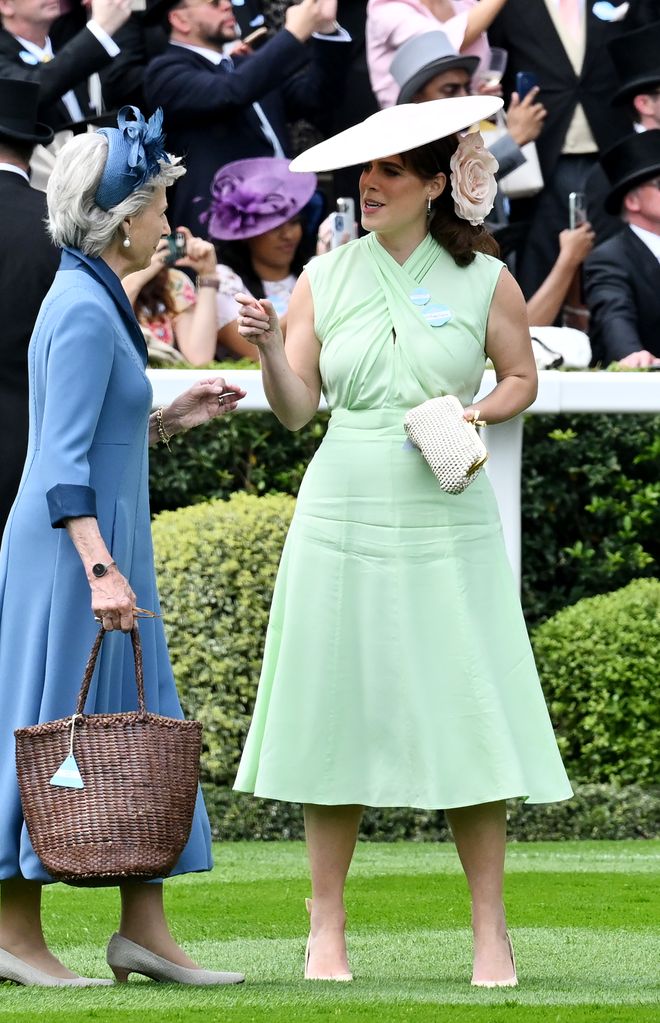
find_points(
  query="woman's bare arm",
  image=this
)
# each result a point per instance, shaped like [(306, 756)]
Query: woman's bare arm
[(292, 381), (509, 346), (480, 18)]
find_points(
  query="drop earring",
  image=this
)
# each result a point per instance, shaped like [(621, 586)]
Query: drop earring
[(126, 242), (428, 206)]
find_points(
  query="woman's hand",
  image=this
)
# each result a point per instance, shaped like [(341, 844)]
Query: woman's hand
[(201, 402), (525, 118), (200, 255), (258, 322), (113, 601), (135, 282), (576, 243), (324, 237)]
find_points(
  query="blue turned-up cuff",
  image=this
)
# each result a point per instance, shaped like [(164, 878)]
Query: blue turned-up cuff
[(70, 501)]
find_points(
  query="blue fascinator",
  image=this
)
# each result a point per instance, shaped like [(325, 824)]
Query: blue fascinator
[(134, 151)]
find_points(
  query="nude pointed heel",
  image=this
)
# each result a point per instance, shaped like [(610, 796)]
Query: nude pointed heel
[(341, 977), (511, 981)]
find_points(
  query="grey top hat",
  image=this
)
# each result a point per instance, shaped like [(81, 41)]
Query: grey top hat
[(423, 57)]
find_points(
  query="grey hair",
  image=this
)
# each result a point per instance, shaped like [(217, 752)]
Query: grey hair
[(74, 219)]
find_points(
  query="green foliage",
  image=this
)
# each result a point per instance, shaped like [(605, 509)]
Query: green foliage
[(216, 565), (249, 452), (590, 507), (599, 665), (595, 812)]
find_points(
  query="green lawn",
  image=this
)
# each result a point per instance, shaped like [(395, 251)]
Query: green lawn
[(584, 920)]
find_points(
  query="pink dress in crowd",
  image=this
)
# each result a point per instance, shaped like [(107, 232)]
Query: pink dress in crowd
[(390, 23)]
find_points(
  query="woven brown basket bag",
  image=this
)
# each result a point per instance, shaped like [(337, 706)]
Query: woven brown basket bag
[(140, 772)]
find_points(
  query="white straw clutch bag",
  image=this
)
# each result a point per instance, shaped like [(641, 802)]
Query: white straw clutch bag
[(450, 444)]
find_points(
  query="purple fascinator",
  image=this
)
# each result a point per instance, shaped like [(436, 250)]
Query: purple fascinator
[(135, 149), (250, 197)]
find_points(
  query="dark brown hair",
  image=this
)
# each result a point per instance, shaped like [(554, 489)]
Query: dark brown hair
[(155, 301), (457, 236)]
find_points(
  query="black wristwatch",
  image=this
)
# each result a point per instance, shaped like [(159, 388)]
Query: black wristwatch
[(99, 569)]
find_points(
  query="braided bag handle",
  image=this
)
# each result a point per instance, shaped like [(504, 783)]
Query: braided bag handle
[(91, 664)]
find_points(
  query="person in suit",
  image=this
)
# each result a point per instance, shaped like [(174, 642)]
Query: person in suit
[(219, 109), (26, 52), (28, 263), (565, 44), (636, 57), (622, 276)]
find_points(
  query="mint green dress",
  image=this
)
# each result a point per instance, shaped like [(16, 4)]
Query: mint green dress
[(397, 669)]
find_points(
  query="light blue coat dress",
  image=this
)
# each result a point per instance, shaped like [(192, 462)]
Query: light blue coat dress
[(90, 401)]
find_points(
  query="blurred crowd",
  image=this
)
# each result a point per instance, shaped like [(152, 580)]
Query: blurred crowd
[(245, 86)]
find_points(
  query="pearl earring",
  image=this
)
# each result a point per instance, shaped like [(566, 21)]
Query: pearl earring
[(126, 242)]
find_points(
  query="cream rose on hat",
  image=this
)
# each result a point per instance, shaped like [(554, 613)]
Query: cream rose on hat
[(473, 185)]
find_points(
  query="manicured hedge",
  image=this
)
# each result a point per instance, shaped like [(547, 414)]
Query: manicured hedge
[(595, 812), (599, 662), (590, 507), (216, 565)]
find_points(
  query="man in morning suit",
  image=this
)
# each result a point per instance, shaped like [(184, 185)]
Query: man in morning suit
[(565, 44), (218, 108), (622, 276), (26, 52), (636, 57), (28, 262)]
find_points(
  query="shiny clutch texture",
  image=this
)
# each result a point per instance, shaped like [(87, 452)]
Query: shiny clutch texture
[(451, 445)]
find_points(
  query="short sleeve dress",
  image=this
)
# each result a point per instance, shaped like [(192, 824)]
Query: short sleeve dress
[(397, 669)]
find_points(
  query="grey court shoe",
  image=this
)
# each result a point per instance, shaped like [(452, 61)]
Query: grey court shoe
[(15, 969), (125, 957)]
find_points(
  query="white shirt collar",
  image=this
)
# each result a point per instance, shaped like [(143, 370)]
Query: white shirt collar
[(13, 169), (38, 51), (652, 241), (213, 55)]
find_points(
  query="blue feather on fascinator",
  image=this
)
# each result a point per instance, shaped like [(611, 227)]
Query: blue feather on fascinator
[(135, 151)]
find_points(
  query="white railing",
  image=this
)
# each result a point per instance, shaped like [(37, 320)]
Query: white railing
[(558, 392)]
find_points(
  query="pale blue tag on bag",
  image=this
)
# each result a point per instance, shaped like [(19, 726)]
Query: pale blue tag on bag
[(67, 775)]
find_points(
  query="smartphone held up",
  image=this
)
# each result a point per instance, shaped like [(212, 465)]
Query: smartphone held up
[(525, 82), (577, 209), (342, 223), (176, 244)]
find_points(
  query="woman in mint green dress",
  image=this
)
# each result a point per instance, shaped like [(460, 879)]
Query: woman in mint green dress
[(397, 668)]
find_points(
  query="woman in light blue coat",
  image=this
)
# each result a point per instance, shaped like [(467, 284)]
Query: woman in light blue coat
[(79, 528)]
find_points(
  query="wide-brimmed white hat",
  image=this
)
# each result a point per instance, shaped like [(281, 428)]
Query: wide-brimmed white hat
[(396, 130)]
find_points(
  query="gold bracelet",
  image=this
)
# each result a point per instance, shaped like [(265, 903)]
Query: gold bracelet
[(162, 432), (208, 282)]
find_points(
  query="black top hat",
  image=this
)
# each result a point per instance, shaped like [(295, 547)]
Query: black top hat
[(636, 57), (631, 162), (18, 112), (422, 58), (156, 11)]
